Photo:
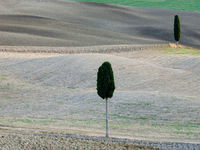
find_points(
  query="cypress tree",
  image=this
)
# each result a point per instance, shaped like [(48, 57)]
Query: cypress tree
[(105, 85), (177, 29)]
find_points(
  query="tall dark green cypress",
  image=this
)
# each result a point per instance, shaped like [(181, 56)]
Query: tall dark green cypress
[(177, 29), (105, 85)]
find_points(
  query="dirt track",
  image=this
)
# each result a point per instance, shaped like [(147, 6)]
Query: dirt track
[(25, 138), (48, 141)]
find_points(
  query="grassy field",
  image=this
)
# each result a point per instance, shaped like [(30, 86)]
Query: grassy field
[(152, 126), (183, 51), (189, 5)]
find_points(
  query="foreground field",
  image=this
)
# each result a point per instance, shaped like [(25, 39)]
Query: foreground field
[(157, 94), (192, 5), (71, 23), (30, 141)]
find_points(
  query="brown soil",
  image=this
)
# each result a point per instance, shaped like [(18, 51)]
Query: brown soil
[(31, 141)]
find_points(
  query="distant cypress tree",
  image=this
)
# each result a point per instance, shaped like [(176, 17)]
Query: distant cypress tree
[(177, 29), (105, 85)]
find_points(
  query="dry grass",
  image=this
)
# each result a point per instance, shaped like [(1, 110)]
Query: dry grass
[(156, 94)]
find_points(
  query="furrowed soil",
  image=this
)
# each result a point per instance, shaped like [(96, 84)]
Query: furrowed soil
[(69, 23)]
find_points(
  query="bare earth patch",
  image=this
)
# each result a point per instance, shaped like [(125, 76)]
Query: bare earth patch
[(54, 142)]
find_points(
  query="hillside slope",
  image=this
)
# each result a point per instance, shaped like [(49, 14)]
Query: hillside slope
[(156, 96), (68, 23)]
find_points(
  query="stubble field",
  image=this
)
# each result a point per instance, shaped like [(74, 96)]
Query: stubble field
[(156, 97)]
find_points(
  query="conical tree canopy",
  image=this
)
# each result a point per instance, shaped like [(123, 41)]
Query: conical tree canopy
[(105, 81), (177, 28)]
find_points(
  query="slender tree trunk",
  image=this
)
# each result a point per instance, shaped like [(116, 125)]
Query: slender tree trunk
[(106, 117)]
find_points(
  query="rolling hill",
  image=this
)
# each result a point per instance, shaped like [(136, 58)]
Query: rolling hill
[(70, 23)]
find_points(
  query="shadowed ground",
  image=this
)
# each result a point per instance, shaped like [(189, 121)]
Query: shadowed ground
[(68, 23)]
